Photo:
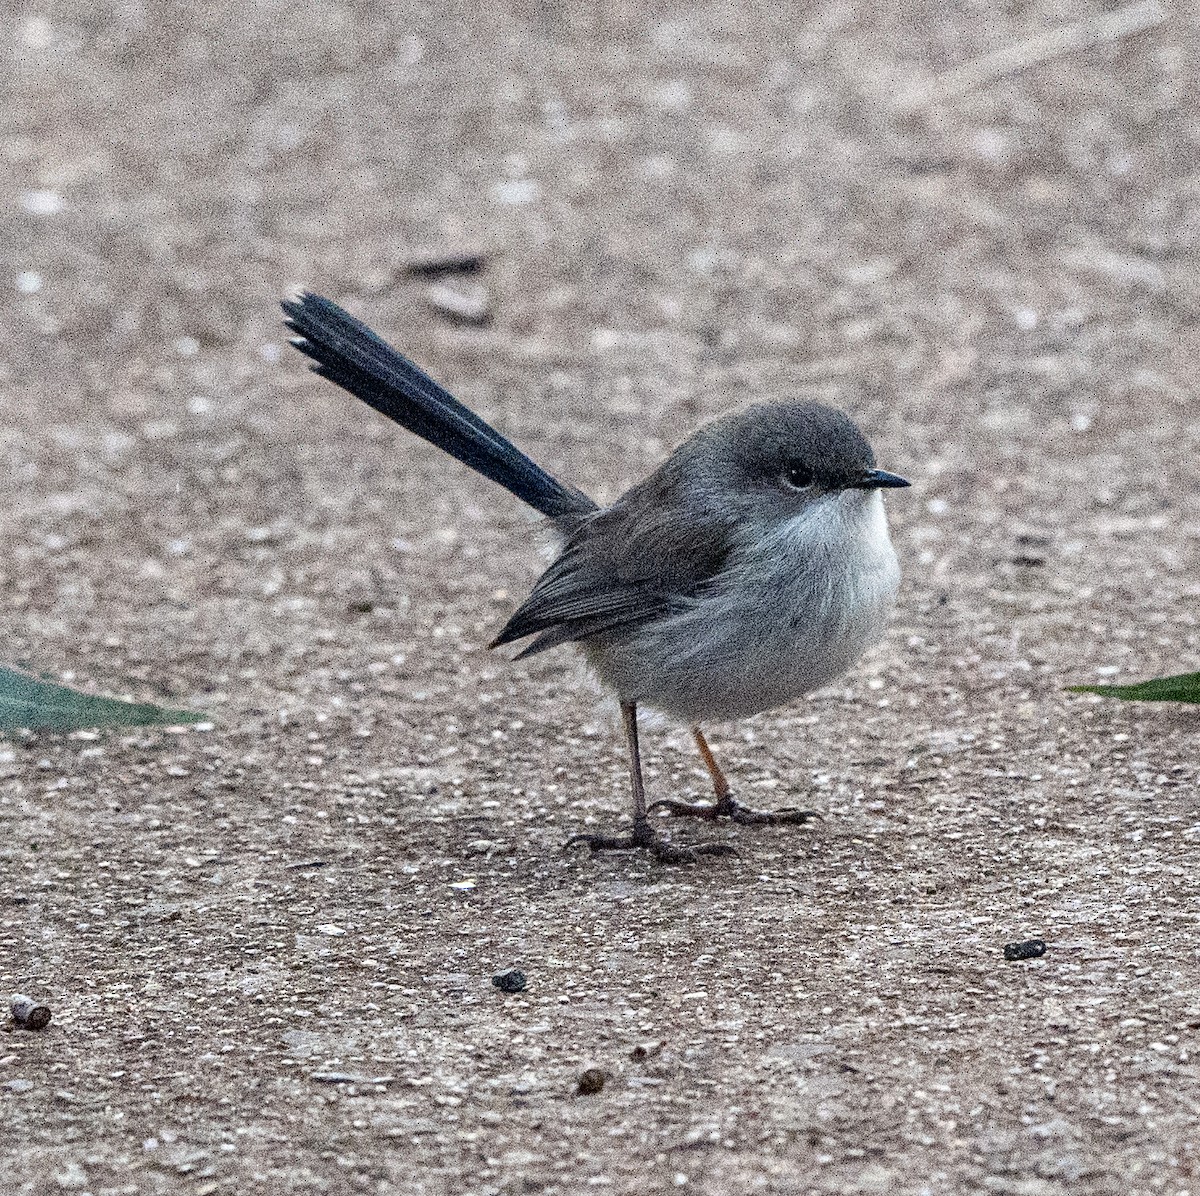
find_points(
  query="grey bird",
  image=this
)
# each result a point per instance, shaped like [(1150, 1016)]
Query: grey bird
[(752, 567)]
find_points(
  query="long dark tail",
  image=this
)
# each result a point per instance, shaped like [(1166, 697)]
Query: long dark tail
[(347, 352)]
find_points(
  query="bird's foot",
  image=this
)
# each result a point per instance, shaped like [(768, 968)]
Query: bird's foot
[(729, 807), (644, 838)]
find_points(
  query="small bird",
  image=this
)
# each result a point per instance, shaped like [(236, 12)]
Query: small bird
[(753, 566)]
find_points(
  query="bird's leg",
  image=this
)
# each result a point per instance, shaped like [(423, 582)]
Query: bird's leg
[(724, 804), (644, 835)]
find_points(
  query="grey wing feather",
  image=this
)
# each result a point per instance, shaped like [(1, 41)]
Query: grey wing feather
[(573, 606), (630, 564), (565, 633)]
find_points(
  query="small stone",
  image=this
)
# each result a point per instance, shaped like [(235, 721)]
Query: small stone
[(1029, 949), (591, 1082), (42, 203), (481, 847), (465, 302), (510, 981), (28, 1013), (645, 1050), (515, 192), (72, 1176)]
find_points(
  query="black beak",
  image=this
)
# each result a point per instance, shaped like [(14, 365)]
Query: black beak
[(880, 479)]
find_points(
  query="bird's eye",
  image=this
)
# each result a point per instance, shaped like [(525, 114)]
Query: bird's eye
[(797, 477)]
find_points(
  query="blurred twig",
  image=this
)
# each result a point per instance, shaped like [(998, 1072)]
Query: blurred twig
[(1109, 27)]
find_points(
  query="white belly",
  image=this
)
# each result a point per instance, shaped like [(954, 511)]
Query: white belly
[(794, 613)]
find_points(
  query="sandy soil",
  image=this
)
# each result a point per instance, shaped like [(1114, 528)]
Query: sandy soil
[(682, 209)]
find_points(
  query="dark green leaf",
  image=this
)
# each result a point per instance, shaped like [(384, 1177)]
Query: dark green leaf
[(1183, 688), (43, 706)]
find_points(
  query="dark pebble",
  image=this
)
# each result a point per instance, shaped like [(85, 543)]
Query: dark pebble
[(644, 1050), (1030, 949), (430, 265), (28, 1013), (590, 1082), (511, 981)]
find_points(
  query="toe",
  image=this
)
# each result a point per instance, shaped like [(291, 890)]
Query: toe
[(601, 842), (667, 853), (715, 849), (683, 809), (746, 816)]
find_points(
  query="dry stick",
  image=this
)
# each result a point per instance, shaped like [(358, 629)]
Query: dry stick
[(1110, 27), (346, 1077), (432, 261)]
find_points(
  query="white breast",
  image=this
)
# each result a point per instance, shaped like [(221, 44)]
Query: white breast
[(797, 609)]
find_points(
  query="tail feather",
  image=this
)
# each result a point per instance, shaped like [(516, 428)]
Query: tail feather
[(349, 354)]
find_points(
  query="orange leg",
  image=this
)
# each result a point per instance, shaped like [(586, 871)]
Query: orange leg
[(720, 785), (725, 804)]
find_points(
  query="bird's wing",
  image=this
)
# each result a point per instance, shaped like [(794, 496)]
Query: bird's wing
[(634, 562), (572, 602)]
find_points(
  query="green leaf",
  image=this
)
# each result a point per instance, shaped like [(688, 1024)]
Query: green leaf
[(1183, 688), (43, 706)]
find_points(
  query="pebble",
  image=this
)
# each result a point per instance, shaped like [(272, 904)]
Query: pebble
[(466, 302), (28, 1013), (590, 1082), (1029, 949), (510, 981), (645, 1050)]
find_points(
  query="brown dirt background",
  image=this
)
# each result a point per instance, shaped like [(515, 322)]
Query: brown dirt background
[(684, 208)]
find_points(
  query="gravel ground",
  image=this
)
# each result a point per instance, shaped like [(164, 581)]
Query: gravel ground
[(269, 944)]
